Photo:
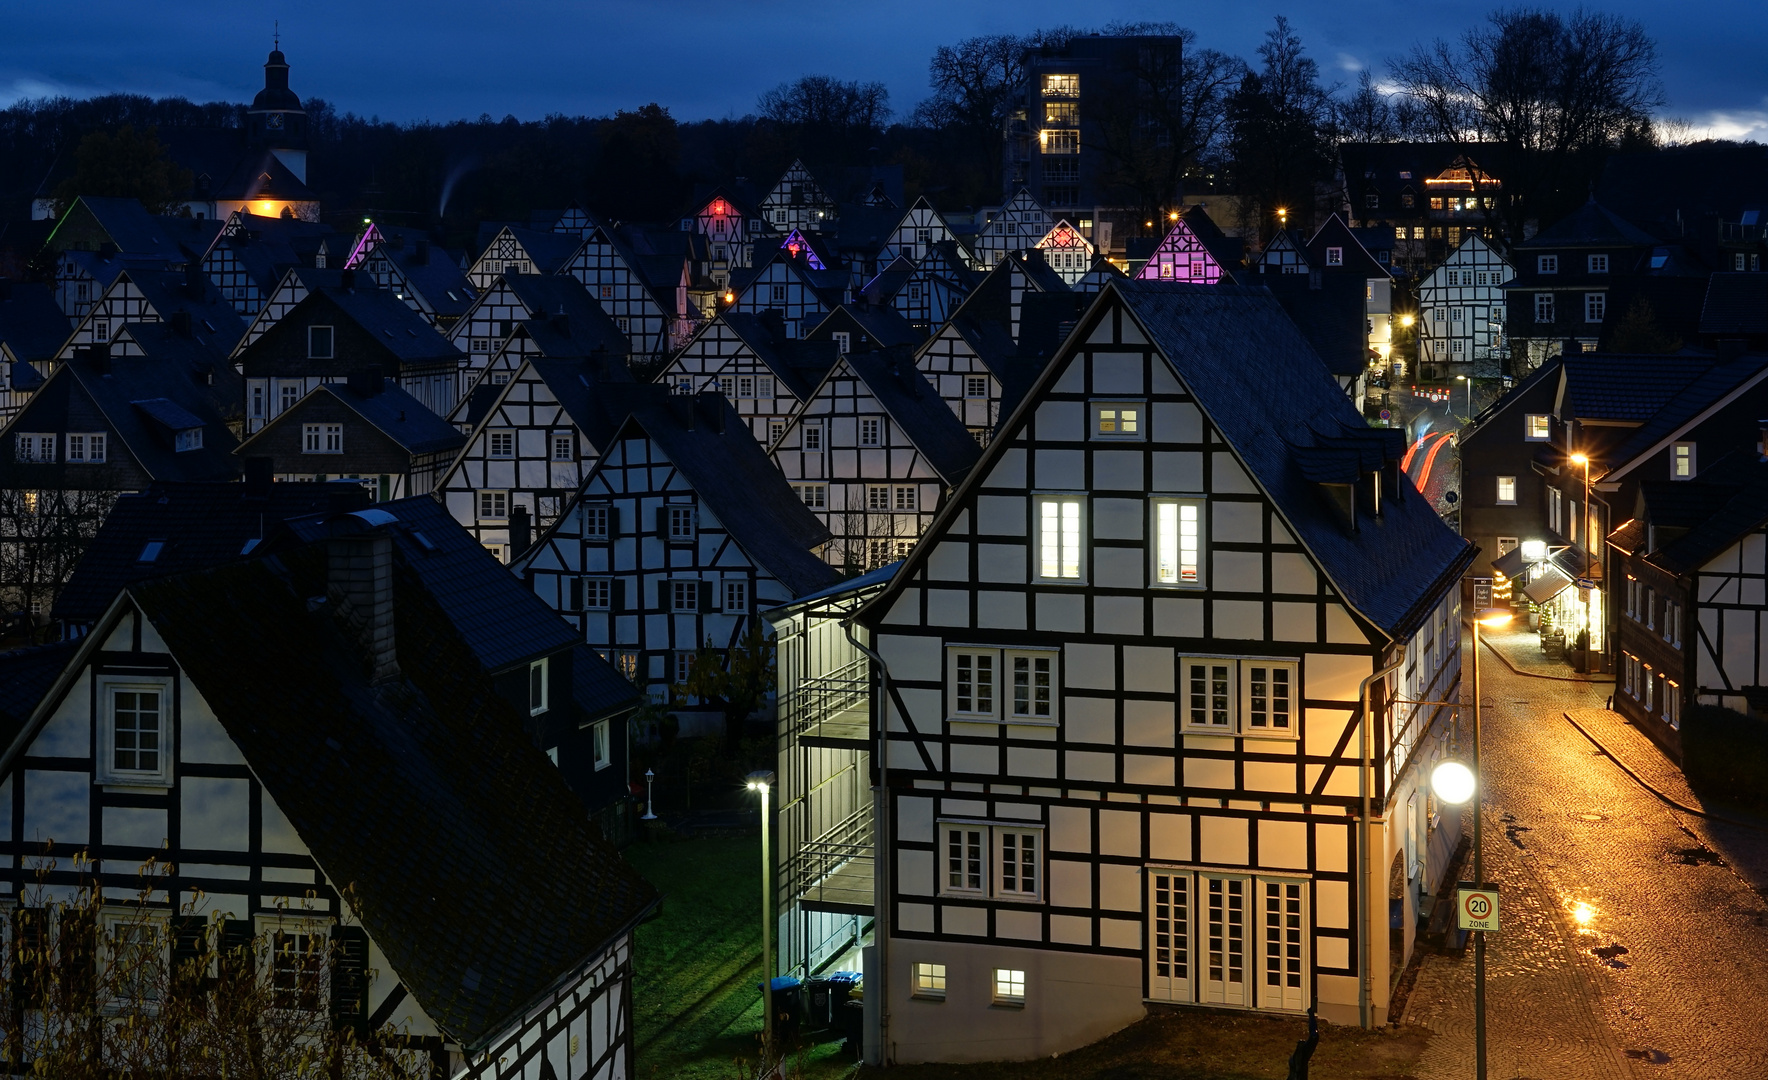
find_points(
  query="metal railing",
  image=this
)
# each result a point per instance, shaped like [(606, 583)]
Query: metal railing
[(817, 701), (847, 841)]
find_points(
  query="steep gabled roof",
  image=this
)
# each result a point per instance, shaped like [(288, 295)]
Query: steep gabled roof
[(1703, 395), (1627, 387), (917, 409), (886, 283), (883, 326), (597, 396), (584, 327), (25, 676), (1716, 515), (1590, 225), (214, 322), (548, 251), (121, 390), (387, 319), (497, 886), (399, 416), (428, 270), (798, 363), (734, 478), (1736, 305), (198, 525), (32, 326)]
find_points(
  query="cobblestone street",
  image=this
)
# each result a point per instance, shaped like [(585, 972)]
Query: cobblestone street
[(1633, 943)]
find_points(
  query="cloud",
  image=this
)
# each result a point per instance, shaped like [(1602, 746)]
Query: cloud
[(1347, 62), (1736, 124)]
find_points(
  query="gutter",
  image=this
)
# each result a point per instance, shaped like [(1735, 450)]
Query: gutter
[(1365, 1007), (880, 863)]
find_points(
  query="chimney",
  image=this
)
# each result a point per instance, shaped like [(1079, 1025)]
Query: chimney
[(684, 410), (180, 322), (99, 354), (365, 382), (347, 279), (420, 252), (359, 580), (1727, 349), (562, 323), (1571, 347), (258, 477), (520, 536), (712, 406)]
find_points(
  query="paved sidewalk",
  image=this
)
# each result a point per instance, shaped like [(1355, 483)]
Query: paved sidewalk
[(1631, 945)]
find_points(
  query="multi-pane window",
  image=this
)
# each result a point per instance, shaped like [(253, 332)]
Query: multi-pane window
[(682, 664), (764, 386), (1595, 306), (136, 725), (1543, 307), (562, 448), (745, 386), (975, 677), (736, 596), (1673, 622), (1059, 532), (34, 446), (1507, 490), (88, 447), (1178, 541), (843, 342), (1246, 696), (597, 594), (1547, 264), (1009, 986), (501, 444), (870, 431), (1672, 704), (296, 964), (322, 438), (1334, 256), (904, 497), (973, 683), (975, 386), (775, 428), (727, 385), (684, 594), (930, 980), (1599, 264), (188, 439), (1032, 676), (1062, 86), (815, 496), (1537, 427), (597, 522), (1119, 420), (877, 496), (965, 858), (1269, 696), (288, 394), (1632, 597), (1682, 461), (494, 504), (679, 523), (812, 437), (1018, 852), (1208, 694)]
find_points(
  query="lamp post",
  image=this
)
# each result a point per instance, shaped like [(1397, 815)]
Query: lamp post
[(1455, 783), (761, 780), (1468, 379), (650, 813)]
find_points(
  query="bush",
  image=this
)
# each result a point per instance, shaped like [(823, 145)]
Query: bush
[(1725, 754)]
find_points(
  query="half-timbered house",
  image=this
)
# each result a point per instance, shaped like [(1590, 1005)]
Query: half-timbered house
[(365, 429), (682, 533), (1461, 309), (406, 262), (873, 453), (32, 329), (250, 256), (513, 299), (934, 288), (655, 315), (1193, 250), (185, 297), (1067, 251), (788, 284), (522, 251), (1155, 695), (761, 371), (340, 330), (731, 223), (918, 230), (798, 202), (530, 451), (218, 724), (292, 288), (863, 327), (1019, 224)]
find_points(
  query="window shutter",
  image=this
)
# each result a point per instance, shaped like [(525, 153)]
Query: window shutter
[(76, 955), (30, 939), (613, 522), (236, 960), (663, 594), (663, 522), (190, 954), (617, 595), (349, 983), (705, 597), (575, 602)]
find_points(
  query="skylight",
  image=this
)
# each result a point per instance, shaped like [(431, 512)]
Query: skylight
[(151, 551), (423, 541), (250, 544)]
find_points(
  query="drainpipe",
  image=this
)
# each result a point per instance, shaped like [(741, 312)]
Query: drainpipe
[(880, 864), (1365, 775)]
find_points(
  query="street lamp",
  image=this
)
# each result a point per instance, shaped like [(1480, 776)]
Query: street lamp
[(761, 780), (1455, 783), (650, 813), (1469, 382)]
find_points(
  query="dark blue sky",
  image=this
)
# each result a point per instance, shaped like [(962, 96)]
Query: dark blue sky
[(445, 59)]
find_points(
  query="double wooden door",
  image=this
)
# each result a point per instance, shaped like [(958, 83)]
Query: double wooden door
[(1227, 939)]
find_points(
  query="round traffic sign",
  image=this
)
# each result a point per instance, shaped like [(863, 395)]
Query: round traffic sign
[(1478, 905), (1387, 414)]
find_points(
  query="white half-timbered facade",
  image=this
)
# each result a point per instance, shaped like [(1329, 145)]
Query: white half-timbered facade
[(798, 202), (198, 775), (764, 374), (521, 251), (682, 533), (1461, 306), (1067, 251), (921, 227), (655, 321), (789, 285), (872, 454), (512, 300), (1285, 253), (184, 297), (1182, 256), (1119, 697), (295, 284), (934, 289), (1018, 225), (731, 233)]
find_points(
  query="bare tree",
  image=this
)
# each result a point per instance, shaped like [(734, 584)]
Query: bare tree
[(43, 532), (1555, 92), (1367, 115), (819, 103), (1282, 126)]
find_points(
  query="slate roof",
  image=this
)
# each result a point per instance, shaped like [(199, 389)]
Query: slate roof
[(496, 615), (32, 326), (886, 283), (864, 229), (799, 364), (598, 397), (1617, 386), (429, 271), (1735, 509), (1710, 386), (917, 408), (217, 381), (734, 478), (390, 320), (1590, 225), (884, 326), (1331, 315), (25, 676), (130, 227), (585, 328), (214, 321), (400, 417), (258, 175), (1736, 304), (200, 524), (497, 885), (597, 687), (1033, 265), (549, 251)]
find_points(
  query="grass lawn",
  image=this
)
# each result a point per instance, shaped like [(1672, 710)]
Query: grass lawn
[(1202, 1044), (696, 1008)]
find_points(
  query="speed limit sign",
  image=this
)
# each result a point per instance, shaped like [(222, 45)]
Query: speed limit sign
[(1476, 907)]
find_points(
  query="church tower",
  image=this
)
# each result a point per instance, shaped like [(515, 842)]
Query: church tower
[(276, 121)]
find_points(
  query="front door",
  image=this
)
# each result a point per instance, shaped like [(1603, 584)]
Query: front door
[(1223, 937), (1228, 939), (1283, 944), (1169, 935)]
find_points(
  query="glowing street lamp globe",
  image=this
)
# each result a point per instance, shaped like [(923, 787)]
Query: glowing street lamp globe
[(1453, 782)]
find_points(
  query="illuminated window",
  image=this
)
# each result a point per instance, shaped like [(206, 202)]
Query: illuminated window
[(1507, 490), (1178, 536), (1009, 986), (1061, 85), (1682, 461), (930, 981), (1059, 532), (1119, 420), (1537, 427)]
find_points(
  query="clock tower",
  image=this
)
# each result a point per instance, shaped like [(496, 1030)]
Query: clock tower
[(276, 121)]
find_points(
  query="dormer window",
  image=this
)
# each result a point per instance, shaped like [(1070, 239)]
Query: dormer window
[(188, 439)]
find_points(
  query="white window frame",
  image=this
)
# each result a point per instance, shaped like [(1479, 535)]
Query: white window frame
[(1008, 685), (1682, 453), (331, 343), (843, 341), (1009, 988), (1118, 421), (976, 387), (500, 443), (1544, 307), (601, 743), (973, 661), (539, 685), (318, 930), (1598, 264), (871, 431), (814, 496), (598, 594), (1167, 548), (1537, 427), (1009, 881), (188, 439), (1283, 723), (1506, 491), (810, 438), (764, 386), (1070, 531), (1194, 715), (905, 498), (974, 846), (92, 452), (1547, 264), (929, 981), (1334, 256), (112, 919), (108, 772), (36, 447), (563, 448), (680, 523), (1672, 703), (1595, 306), (486, 504), (735, 595)]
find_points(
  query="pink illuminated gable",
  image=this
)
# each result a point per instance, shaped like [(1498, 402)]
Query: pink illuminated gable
[(1181, 257)]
